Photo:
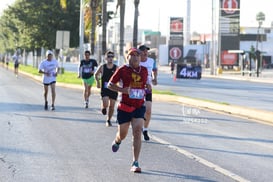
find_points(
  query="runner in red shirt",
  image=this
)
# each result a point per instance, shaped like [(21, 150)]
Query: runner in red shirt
[(131, 109)]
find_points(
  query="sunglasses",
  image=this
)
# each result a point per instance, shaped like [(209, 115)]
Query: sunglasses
[(110, 56)]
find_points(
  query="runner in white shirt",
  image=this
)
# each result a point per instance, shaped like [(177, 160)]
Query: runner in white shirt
[(49, 68), (150, 64)]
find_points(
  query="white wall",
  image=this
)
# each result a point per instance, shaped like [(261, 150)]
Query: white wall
[(163, 55)]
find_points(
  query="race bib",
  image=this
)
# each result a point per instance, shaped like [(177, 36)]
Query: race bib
[(105, 84), (51, 73), (136, 93), (87, 70)]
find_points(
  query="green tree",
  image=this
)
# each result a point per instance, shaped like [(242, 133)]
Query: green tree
[(33, 23)]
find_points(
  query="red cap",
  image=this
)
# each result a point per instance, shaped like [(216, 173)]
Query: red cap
[(133, 51)]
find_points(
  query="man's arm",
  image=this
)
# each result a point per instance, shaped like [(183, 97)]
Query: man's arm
[(154, 71), (97, 73), (114, 87), (42, 70), (79, 70), (57, 69), (112, 84)]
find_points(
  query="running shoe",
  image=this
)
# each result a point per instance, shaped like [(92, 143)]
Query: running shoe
[(146, 136), (86, 105), (46, 105), (108, 123), (52, 107), (135, 167), (104, 111), (115, 146)]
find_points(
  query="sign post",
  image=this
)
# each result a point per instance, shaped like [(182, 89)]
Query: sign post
[(62, 42), (176, 42)]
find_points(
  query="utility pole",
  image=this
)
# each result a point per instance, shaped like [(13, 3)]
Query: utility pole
[(81, 32), (260, 17), (212, 57)]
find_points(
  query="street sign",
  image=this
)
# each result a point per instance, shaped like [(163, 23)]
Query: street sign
[(62, 39), (176, 26), (175, 53), (230, 6)]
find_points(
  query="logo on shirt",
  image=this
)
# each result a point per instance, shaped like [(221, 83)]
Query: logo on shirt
[(136, 81)]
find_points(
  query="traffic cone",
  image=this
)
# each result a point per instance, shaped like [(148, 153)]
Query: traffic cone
[(174, 78)]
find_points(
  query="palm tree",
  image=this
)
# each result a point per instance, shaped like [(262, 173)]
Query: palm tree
[(104, 25), (93, 4), (135, 34), (121, 5)]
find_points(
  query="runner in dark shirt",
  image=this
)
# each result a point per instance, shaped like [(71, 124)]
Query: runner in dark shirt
[(109, 97), (87, 68)]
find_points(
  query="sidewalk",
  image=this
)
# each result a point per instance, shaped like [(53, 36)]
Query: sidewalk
[(266, 76)]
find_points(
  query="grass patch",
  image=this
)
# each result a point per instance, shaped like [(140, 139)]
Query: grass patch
[(223, 103), (29, 69), (67, 77), (72, 78), (163, 92)]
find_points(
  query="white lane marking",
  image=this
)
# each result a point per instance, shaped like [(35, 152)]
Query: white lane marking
[(201, 160)]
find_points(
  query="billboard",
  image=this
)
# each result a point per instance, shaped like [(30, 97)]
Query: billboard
[(228, 58), (229, 28), (176, 26)]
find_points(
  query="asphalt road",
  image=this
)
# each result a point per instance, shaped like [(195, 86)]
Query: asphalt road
[(73, 144)]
